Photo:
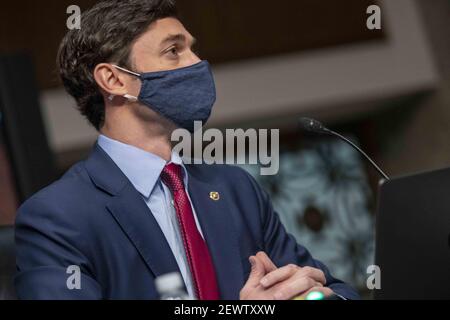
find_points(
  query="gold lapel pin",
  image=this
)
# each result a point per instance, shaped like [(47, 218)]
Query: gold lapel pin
[(214, 196)]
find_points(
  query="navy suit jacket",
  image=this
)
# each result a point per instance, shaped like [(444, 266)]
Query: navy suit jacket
[(95, 219)]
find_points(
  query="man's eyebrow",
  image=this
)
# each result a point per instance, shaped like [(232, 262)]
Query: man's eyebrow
[(176, 37)]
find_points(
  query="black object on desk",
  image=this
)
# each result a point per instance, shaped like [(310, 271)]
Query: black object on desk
[(412, 237)]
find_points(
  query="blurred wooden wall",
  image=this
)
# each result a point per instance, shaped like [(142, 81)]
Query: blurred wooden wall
[(227, 30)]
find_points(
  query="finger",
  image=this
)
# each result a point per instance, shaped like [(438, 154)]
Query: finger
[(278, 275), (318, 284), (297, 287), (268, 264), (311, 272), (256, 274), (327, 292), (280, 285)]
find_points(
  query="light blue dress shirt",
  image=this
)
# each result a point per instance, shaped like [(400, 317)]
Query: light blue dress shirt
[(143, 170)]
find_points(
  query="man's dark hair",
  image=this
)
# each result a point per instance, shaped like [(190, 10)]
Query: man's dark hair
[(107, 33)]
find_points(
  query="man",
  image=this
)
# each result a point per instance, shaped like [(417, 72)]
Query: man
[(133, 211)]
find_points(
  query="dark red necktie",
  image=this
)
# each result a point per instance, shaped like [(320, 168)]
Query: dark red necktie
[(199, 259)]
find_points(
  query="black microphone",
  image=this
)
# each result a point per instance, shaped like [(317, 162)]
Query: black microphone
[(317, 127)]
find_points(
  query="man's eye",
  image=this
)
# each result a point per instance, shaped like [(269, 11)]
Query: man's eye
[(173, 52)]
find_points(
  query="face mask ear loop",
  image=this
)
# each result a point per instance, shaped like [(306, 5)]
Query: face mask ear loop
[(128, 96), (127, 71)]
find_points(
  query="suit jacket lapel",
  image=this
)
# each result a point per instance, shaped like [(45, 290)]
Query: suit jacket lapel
[(219, 232), (132, 214), (136, 220)]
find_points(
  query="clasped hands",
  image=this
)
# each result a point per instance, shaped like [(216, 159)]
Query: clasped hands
[(267, 282)]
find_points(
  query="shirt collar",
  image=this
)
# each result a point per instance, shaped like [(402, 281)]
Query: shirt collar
[(142, 168)]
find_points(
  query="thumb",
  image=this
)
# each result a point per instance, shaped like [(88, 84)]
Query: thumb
[(257, 273)]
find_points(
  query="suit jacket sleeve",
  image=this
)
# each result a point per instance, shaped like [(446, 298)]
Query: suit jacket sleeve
[(283, 249), (47, 244)]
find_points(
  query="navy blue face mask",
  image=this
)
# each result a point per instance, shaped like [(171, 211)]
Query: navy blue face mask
[(182, 95)]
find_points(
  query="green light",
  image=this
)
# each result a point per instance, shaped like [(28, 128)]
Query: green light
[(315, 295)]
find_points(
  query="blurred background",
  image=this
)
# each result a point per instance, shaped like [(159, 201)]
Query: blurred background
[(388, 90)]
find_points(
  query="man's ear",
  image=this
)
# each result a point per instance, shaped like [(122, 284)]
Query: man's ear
[(111, 81)]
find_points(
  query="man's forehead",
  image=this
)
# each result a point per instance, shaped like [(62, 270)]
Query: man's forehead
[(181, 37), (168, 29)]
